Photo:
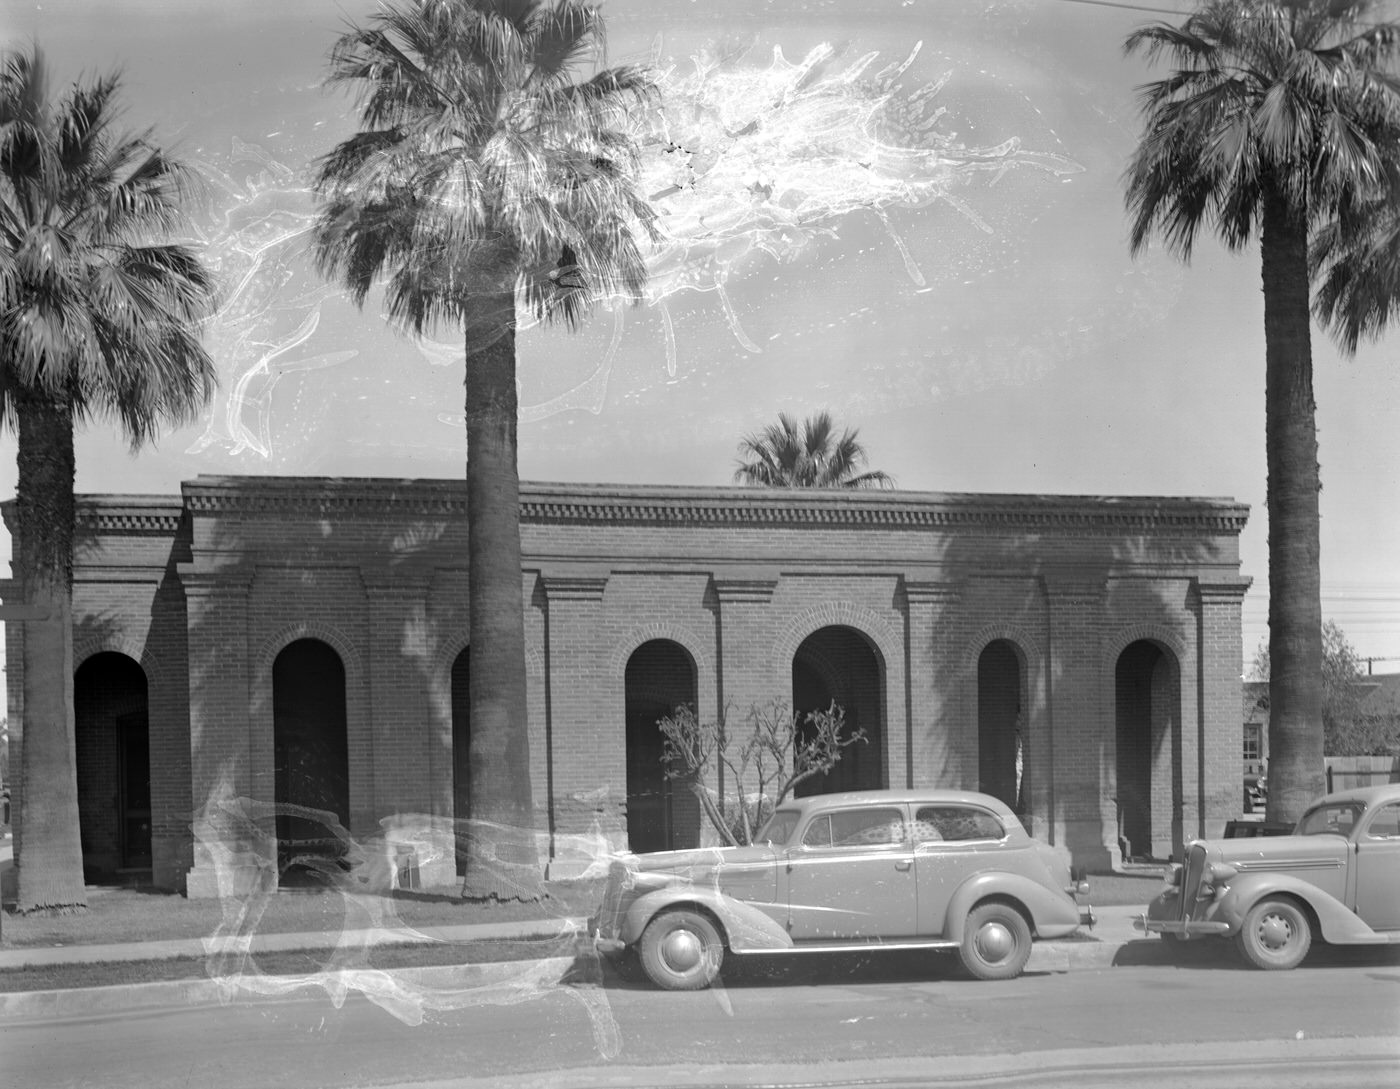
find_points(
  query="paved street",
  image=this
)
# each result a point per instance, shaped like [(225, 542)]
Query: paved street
[(915, 1023)]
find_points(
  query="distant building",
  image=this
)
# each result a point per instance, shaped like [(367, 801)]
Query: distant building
[(305, 641), (1379, 703)]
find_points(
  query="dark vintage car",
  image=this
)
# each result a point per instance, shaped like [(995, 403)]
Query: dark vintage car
[(930, 869), (1335, 879)]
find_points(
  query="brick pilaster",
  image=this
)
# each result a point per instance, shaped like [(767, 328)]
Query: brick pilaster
[(1084, 817), (1219, 793), (222, 756), (939, 733)]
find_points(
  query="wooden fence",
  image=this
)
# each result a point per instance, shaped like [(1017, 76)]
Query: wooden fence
[(1345, 772)]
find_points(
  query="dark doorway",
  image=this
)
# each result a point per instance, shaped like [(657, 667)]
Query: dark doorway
[(662, 813), (311, 750), (838, 664), (111, 729), (1000, 744), (461, 750), (1147, 707)]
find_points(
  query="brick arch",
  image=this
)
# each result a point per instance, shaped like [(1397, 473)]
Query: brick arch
[(876, 630), (625, 647), (326, 633), (120, 644), (450, 648), (1026, 644), (1163, 636)]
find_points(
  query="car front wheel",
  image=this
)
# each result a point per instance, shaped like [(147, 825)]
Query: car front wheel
[(681, 951), (996, 942), (1275, 935)]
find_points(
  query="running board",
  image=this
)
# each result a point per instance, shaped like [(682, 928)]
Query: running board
[(851, 947)]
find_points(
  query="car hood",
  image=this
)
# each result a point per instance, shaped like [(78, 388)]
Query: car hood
[(701, 859), (1278, 852)]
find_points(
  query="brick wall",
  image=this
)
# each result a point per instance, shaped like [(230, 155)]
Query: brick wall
[(205, 589)]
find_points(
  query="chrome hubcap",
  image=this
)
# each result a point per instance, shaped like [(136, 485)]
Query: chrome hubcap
[(994, 942), (681, 950), (1275, 931)]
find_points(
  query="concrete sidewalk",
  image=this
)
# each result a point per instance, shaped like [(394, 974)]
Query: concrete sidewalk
[(1113, 940)]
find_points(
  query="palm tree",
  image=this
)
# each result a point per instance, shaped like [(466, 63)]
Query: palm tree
[(95, 320), (485, 179), (1357, 266), (1279, 116), (781, 456)]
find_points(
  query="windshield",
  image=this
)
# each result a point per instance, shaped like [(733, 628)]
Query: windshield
[(779, 828), (1338, 818)]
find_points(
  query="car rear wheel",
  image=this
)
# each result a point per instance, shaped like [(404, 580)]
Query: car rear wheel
[(996, 942), (681, 951), (1275, 935)]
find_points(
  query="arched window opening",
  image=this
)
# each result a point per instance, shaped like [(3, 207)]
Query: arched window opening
[(1001, 740), (837, 664), (1148, 763), (310, 749), (662, 813), (112, 735)]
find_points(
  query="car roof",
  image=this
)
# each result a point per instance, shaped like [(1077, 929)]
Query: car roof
[(1368, 796), (929, 796)]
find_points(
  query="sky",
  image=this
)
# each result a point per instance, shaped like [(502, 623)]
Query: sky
[(936, 252)]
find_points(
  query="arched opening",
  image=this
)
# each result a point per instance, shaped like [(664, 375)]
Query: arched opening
[(662, 813), (310, 747), (112, 736), (1148, 712), (461, 749), (1001, 741), (837, 664)]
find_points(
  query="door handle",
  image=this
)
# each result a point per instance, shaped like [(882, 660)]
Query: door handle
[(902, 864)]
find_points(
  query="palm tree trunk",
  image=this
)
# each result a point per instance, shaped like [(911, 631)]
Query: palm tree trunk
[(502, 861), (1296, 775), (50, 853)]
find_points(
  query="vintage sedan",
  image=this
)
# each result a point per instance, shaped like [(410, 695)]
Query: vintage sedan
[(880, 869), (1335, 879)]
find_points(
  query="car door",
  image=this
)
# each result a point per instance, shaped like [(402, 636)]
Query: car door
[(951, 843), (1377, 864), (850, 877)]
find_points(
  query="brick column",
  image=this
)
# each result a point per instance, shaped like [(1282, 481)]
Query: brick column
[(745, 640), (1083, 815), (401, 770), (1219, 746), (586, 753), (222, 760), (938, 728)]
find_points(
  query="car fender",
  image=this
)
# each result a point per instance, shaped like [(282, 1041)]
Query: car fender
[(1053, 914), (1340, 925), (746, 928)]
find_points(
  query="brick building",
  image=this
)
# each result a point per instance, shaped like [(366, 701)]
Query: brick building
[(305, 640)]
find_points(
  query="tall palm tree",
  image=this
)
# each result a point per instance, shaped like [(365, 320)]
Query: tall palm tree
[(782, 456), (96, 320), (1279, 115), (1356, 262), (486, 179)]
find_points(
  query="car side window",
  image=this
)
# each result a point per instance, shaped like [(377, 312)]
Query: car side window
[(1386, 823), (865, 827), (954, 823)]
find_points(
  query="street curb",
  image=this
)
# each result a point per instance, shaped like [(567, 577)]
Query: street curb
[(1047, 956), (448, 985)]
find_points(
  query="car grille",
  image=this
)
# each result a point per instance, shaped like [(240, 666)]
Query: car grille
[(1191, 883), (610, 912)]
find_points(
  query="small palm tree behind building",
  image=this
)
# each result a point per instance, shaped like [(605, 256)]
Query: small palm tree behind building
[(814, 456)]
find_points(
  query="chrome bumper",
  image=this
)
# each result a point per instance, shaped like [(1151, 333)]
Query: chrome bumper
[(1086, 916), (1185, 928)]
